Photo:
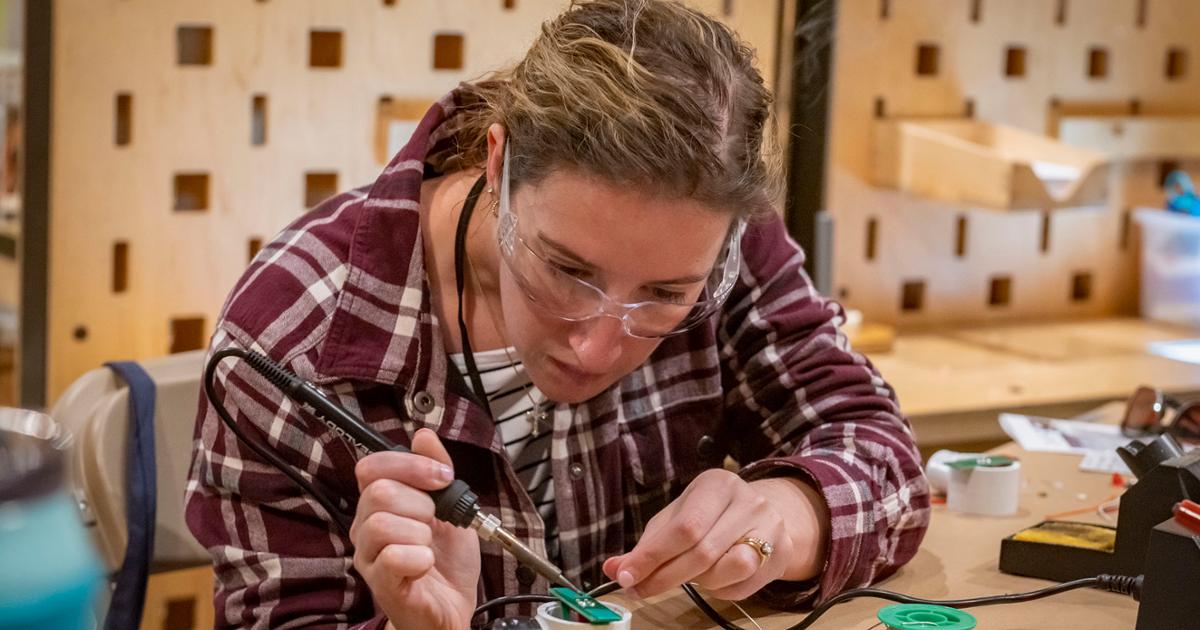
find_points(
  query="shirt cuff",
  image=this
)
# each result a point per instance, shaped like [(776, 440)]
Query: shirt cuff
[(847, 555)]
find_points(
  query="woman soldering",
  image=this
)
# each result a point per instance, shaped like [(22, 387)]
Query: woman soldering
[(568, 289)]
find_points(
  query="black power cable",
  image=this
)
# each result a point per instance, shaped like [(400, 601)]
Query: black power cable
[(339, 518), (707, 609), (456, 504), (504, 600), (1123, 584)]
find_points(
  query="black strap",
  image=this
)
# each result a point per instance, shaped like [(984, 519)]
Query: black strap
[(460, 249), (141, 493)]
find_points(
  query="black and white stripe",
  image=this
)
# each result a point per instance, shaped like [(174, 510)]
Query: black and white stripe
[(512, 396)]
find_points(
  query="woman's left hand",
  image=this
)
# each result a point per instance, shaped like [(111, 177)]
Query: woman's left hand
[(698, 538)]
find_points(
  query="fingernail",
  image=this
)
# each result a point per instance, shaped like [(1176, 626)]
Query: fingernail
[(445, 473), (625, 579)]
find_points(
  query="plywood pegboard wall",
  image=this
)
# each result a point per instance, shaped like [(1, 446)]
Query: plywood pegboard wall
[(186, 134), (915, 261)]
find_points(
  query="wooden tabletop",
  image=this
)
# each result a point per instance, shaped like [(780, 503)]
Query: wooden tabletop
[(957, 559), (952, 383)]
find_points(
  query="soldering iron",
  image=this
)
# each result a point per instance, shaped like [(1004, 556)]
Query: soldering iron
[(456, 504)]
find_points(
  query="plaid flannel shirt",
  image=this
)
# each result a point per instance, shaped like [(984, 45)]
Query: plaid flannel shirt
[(341, 298)]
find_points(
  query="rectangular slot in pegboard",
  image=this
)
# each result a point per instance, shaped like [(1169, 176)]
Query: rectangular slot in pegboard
[(1000, 291), (258, 120), (927, 59), (181, 614), (1097, 62), (324, 48), (960, 237), (1081, 286), (912, 296), (253, 246), (872, 238), (1044, 235), (1126, 229), (1176, 66), (123, 119), (194, 45), (319, 186), (448, 51), (191, 192), (120, 267), (187, 333), (1014, 61)]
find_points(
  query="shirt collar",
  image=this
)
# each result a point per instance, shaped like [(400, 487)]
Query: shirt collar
[(385, 302)]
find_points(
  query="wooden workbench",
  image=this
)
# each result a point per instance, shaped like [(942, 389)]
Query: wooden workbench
[(952, 383), (957, 559)]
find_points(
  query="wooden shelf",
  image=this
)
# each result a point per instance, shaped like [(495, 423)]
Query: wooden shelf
[(994, 166), (1134, 137)]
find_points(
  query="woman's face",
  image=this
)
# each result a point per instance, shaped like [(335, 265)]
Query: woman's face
[(632, 245)]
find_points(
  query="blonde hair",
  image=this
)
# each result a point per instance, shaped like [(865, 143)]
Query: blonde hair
[(638, 92)]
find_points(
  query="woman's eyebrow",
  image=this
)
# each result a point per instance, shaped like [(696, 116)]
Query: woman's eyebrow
[(566, 252)]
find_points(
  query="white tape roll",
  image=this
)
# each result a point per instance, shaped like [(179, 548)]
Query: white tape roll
[(937, 470), (549, 616), (985, 490)]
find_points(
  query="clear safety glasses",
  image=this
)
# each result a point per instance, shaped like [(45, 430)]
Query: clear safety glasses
[(564, 292)]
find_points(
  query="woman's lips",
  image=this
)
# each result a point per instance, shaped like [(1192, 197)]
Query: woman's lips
[(572, 371)]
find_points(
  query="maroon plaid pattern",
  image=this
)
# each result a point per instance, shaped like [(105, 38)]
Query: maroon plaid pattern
[(341, 298)]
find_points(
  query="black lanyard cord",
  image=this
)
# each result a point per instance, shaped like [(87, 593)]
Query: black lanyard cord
[(460, 249)]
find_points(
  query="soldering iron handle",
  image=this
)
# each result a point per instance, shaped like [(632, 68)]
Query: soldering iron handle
[(456, 504)]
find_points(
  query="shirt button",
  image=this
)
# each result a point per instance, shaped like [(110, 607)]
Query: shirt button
[(423, 401), (576, 471), (525, 575), (706, 447)]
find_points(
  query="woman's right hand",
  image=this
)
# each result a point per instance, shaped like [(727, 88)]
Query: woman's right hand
[(423, 573)]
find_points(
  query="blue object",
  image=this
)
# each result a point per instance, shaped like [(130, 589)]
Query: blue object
[(141, 494), (49, 573), (1181, 195)]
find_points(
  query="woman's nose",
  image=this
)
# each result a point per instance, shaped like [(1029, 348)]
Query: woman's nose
[(597, 343)]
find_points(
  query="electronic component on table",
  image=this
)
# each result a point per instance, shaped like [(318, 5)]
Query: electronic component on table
[(585, 606)]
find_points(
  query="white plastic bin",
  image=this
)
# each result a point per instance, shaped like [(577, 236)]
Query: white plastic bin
[(1170, 266)]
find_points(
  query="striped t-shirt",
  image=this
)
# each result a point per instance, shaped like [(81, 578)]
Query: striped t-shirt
[(522, 418)]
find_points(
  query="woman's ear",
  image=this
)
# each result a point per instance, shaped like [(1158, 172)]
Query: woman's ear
[(495, 156)]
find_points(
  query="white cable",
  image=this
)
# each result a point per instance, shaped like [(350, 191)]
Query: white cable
[(746, 615)]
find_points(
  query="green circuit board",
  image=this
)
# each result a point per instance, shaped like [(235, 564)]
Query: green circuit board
[(585, 606)]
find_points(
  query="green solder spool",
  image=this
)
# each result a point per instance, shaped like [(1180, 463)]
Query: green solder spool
[(925, 617)]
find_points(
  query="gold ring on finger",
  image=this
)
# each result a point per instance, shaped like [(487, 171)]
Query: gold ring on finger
[(760, 546)]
